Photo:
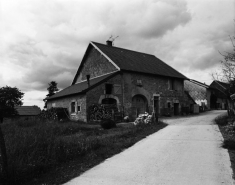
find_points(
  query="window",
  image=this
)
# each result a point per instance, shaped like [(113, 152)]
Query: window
[(139, 83), (72, 107), (108, 88), (53, 104), (168, 104), (171, 84), (79, 108)]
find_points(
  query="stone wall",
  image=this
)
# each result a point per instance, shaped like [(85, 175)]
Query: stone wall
[(96, 94), (151, 85), (95, 64), (80, 100)]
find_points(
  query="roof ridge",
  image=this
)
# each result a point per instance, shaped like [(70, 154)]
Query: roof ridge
[(123, 49), (199, 83)]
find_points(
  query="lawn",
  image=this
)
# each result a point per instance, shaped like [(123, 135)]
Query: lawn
[(227, 128), (55, 152)]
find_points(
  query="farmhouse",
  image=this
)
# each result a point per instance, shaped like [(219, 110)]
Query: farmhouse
[(125, 82)]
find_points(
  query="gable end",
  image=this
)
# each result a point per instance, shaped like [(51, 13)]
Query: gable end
[(95, 64)]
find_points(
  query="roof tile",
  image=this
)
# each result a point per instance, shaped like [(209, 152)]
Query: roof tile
[(138, 62), (28, 110)]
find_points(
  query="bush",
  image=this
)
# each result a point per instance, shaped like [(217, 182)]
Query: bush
[(54, 114), (107, 124), (221, 120), (229, 144)]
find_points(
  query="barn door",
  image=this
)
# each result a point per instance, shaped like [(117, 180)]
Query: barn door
[(139, 104)]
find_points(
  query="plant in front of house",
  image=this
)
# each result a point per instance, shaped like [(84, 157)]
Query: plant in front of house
[(107, 124), (143, 119), (227, 128)]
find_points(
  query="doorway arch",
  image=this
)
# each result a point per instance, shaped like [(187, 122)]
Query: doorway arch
[(139, 105), (109, 101)]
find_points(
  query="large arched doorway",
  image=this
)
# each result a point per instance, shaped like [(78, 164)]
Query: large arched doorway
[(139, 105), (109, 101)]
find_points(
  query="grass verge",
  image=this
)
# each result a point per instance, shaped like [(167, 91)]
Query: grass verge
[(227, 129), (54, 153)]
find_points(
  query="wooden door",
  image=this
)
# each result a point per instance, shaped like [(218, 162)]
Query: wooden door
[(139, 102)]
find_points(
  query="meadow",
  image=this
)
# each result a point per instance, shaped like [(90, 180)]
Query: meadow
[(54, 152)]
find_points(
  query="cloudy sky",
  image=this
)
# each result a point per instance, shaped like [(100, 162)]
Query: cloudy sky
[(43, 41)]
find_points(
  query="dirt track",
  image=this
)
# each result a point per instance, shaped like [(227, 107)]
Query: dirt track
[(188, 151)]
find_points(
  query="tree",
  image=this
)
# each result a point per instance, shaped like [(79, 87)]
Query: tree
[(227, 72), (9, 98), (52, 89)]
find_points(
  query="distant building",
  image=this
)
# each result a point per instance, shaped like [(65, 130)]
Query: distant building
[(28, 111), (200, 92), (219, 95)]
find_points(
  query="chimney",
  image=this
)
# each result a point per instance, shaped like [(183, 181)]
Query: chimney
[(109, 43), (88, 80)]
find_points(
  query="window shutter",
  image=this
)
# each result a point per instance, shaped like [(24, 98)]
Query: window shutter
[(76, 109), (117, 89)]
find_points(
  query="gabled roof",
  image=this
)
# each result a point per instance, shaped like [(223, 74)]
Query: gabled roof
[(81, 87), (133, 61), (196, 90), (221, 86), (28, 110), (200, 83), (137, 62)]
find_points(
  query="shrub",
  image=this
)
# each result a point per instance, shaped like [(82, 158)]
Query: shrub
[(229, 144), (221, 120), (107, 124), (54, 114)]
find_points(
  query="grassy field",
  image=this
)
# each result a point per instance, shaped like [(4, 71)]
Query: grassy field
[(227, 128), (53, 153)]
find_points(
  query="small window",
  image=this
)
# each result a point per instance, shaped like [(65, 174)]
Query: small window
[(139, 83), (72, 107), (108, 88), (169, 105), (171, 84), (53, 105), (79, 108)]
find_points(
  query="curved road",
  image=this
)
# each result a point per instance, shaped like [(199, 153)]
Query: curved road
[(186, 152)]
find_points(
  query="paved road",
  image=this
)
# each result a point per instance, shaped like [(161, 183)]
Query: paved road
[(186, 152)]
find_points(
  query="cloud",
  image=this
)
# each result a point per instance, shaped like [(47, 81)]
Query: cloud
[(46, 40), (58, 32), (160, 17)]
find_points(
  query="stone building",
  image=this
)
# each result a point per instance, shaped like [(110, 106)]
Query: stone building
[(27, 112), (200, 92), (131, 82), (220, 95)]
